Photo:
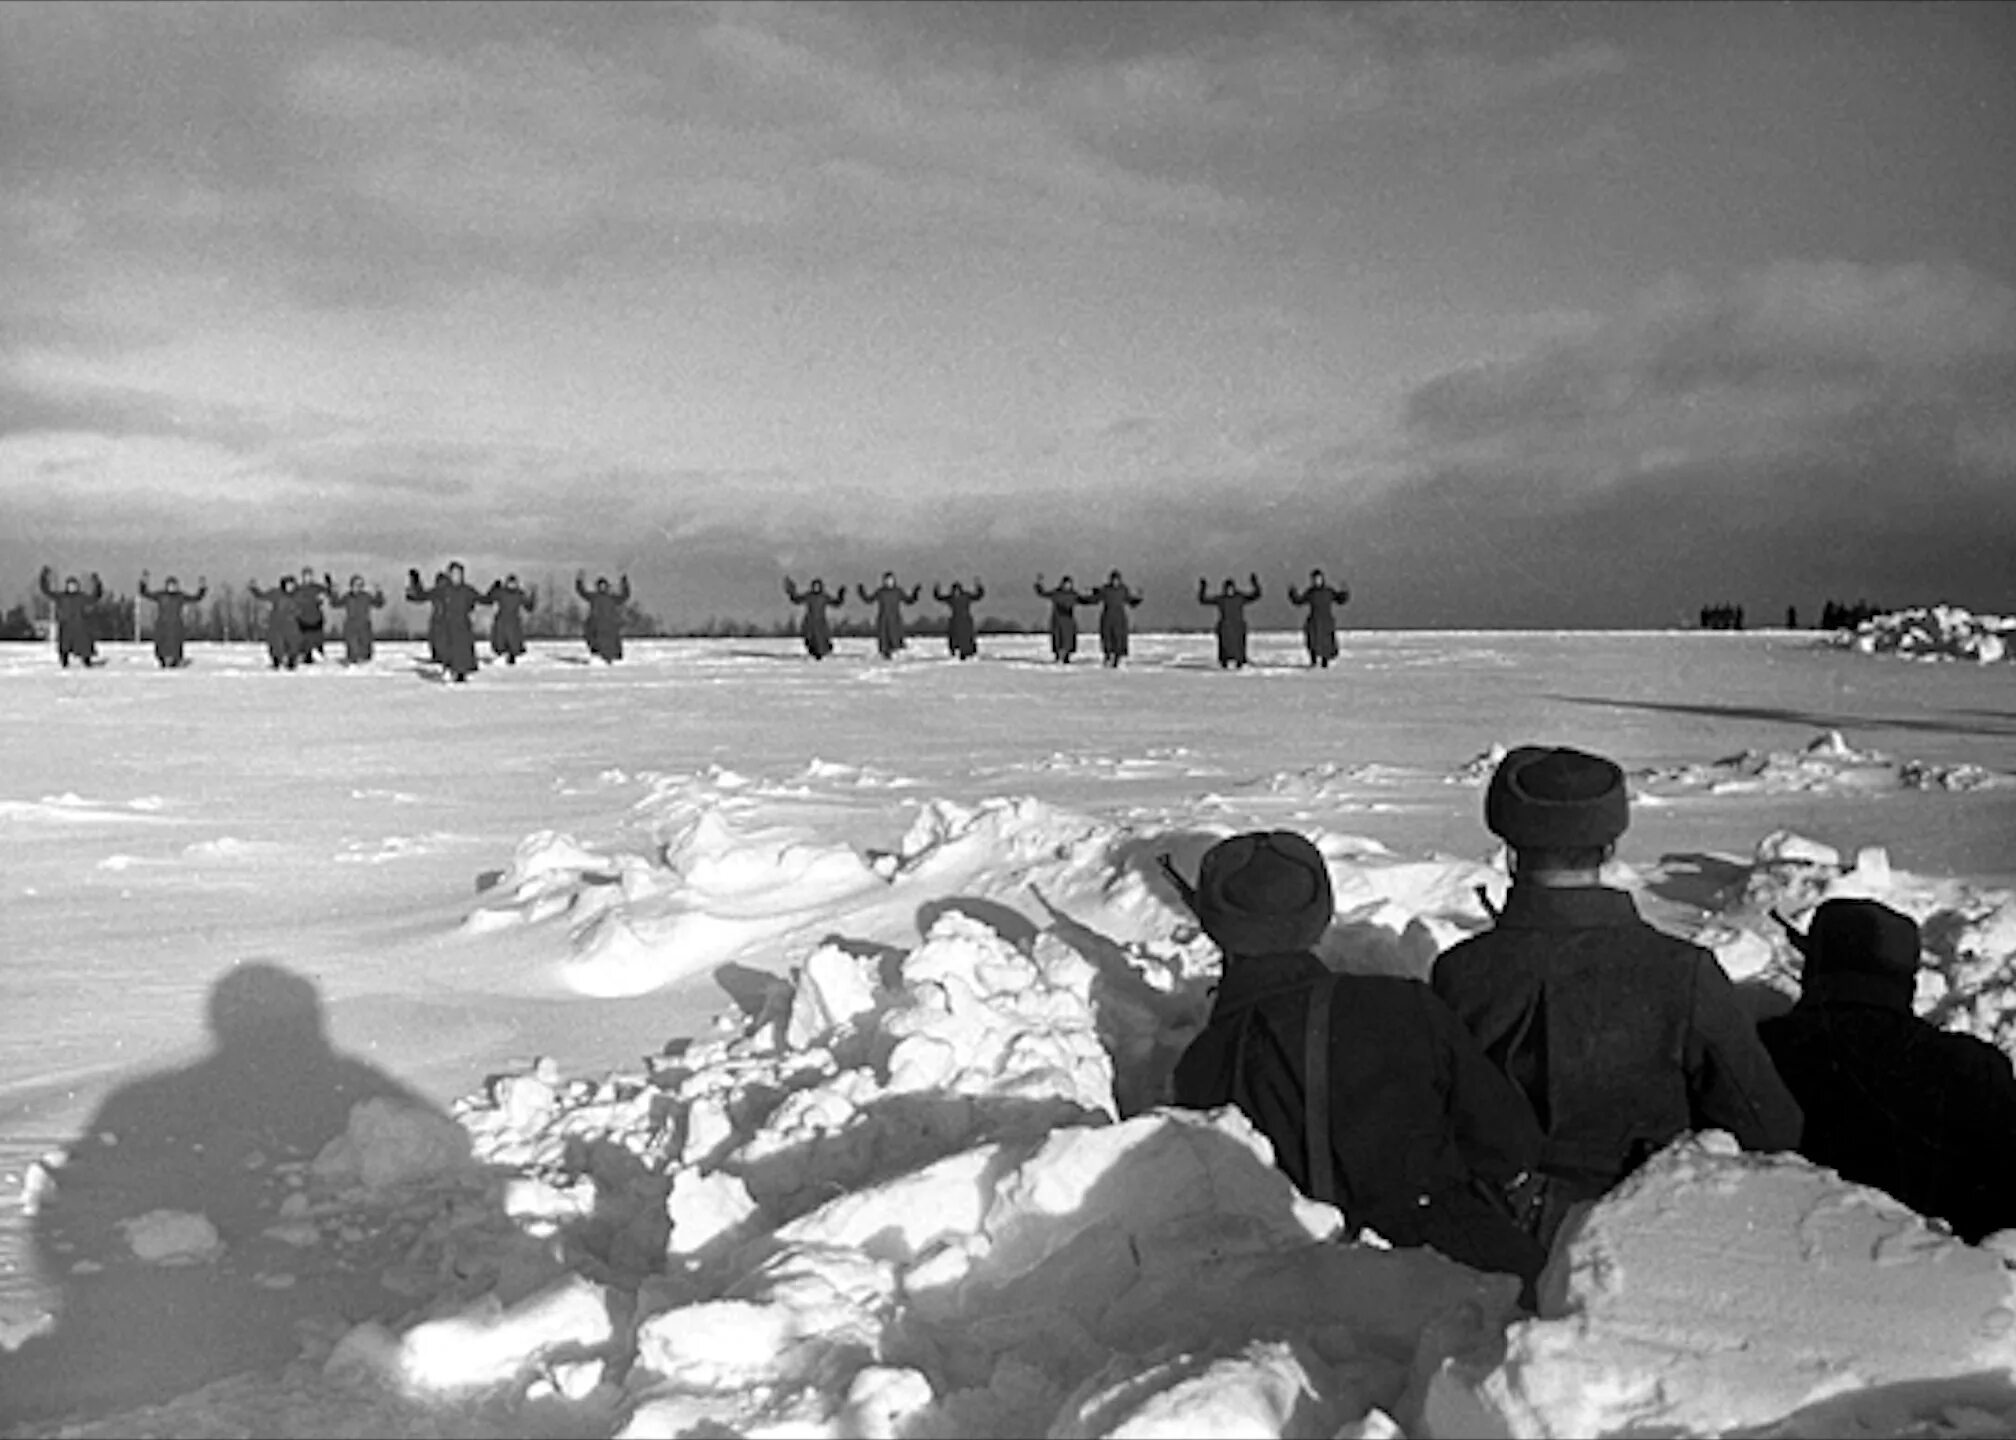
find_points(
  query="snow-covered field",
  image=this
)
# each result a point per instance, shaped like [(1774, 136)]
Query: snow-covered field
[(722, 1043)]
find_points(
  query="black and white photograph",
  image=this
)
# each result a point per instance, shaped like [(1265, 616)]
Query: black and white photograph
[(891, 719)]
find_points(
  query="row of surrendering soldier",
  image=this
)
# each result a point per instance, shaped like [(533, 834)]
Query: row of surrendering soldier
[(296, 627), (451, 603), (1115, 599), (1553, 1053)]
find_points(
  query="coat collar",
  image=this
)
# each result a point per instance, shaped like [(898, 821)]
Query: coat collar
[(1246, 979), (1849, 987), (1551, 907)]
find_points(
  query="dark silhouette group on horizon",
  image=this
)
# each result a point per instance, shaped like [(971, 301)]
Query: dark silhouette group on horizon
[(1552, 1053), (1115, 598), (296, 626)]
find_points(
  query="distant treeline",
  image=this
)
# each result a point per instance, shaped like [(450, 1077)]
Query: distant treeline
[(1834, 615)]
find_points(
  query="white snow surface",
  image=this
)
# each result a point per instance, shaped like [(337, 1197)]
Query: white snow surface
[(721, 1043)]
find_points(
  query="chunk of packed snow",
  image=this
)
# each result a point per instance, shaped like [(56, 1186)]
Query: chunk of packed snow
[(172, 1237), (388, 1142), (1716, 1292)]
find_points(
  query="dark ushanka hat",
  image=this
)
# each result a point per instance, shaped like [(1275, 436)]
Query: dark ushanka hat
[(1858, 937), (1263, 893), (1556, 799)]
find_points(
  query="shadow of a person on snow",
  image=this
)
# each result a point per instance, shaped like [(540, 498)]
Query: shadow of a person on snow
[(154, 1304)]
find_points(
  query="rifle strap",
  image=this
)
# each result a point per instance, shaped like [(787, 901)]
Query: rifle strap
[(1316, 1091)]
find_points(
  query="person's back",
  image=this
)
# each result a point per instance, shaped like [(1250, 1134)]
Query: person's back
[(1422, 1133), (1891, 1101), (1621, 1036)]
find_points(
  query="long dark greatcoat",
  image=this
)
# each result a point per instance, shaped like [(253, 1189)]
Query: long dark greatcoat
[(1893, 1102), (1421, 1123), (171, 631), (283, 623), (308, 593), (357, 605), (1231, 626), (1319, 626), (816, 630), (961, 635), (889, 600), (1115, 600), (458, 601), (604, 630), (1064, 602), (507, 627), (74, 633), (1621, 1036)]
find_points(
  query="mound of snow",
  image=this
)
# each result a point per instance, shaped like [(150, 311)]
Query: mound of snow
[(1826, 765), (1716, 1293), (1935, 632)]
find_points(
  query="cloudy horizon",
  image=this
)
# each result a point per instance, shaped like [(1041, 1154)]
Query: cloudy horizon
[(1542, 315)]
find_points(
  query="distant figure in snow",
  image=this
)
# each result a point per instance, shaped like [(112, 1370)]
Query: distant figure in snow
[(437, 615), (1791, 617), (604, 629), (283, 621), (1064, 603), (458, 600), (507, 627), (816, 629), (357, 603), (1621, 1036), (1373, 1095), (1892, 1101), (1319, 626), (1115, 600), (308, 595), (889, 598), (961, 636), (75, 636), (1231, 603), (170, 630)]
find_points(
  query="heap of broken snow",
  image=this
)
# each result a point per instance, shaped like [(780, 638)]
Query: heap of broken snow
[(925, 1187), (1935, 632)]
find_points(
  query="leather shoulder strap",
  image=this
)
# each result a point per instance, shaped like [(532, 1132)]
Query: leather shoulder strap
[(1316, 1091)]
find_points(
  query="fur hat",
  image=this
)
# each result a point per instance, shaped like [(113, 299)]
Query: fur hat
[(1858, 937), (1263, 893), (1556, 799)]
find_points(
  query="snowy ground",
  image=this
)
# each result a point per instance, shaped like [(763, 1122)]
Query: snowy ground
[(909, 917)]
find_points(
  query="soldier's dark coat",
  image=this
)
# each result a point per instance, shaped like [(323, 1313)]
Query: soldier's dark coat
[(1420, 1121), (171, 631), (889, 600), (1115, 600), (1064, 602), (1622, 1037), (457, 600), (283, 623), (75, 636), (961, 635), (604, 628), (357, 605), (816, 630), (1925, 1115), (308, 593), (1319, 626), (507, 627), (1231, 624)]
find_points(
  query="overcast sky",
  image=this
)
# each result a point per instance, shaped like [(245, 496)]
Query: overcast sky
[(1509, 314)]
